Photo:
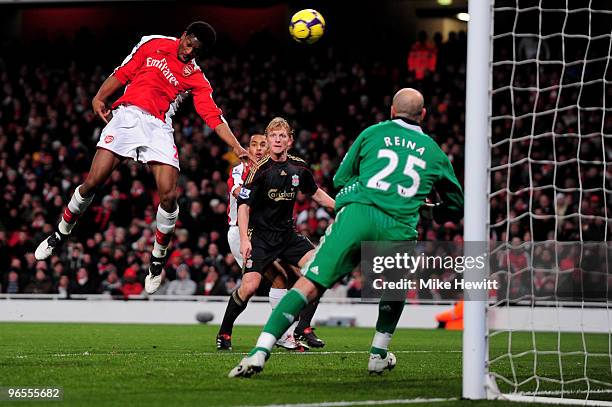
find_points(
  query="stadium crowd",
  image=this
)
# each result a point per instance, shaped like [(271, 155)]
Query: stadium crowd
[(48, 134)]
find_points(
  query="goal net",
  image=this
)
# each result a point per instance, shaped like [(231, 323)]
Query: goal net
[(550, 201)]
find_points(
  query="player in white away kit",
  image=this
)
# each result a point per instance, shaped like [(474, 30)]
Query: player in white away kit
[(257, 148), (159, 74)]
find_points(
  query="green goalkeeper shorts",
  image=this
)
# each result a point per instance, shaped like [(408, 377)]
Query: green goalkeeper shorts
[(339, 251)]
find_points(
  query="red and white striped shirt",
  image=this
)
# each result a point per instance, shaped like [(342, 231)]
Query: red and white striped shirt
[(157, 81), (235, 181)]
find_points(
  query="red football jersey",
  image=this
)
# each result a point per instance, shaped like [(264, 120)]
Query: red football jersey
[(157, 81)]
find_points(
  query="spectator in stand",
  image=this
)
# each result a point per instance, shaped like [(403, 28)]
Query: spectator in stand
[(422, 57), (231, 284), (183, 285), (12, 283), (111, 284), (40, 285), (83, 284), (214, 258), (516, 260), (63, 286), (130, 286), (57, 271), (212, 284)]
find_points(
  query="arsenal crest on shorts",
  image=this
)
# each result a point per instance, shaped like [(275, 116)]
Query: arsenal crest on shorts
[(295, 180)]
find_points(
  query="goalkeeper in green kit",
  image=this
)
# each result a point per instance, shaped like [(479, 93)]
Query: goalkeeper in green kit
[(385, 179)]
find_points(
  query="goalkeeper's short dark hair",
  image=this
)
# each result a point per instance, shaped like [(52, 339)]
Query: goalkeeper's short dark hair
[(204, 32)]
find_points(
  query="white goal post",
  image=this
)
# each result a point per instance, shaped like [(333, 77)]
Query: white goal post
[(540, 189), (478, 74)]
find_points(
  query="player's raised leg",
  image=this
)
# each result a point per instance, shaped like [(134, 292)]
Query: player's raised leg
[(166, 177), (102, 166)]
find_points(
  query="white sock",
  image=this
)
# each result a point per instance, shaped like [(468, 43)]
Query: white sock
[(166, 221), (266, 341), (76, 206), (381, 340), (276, 294)]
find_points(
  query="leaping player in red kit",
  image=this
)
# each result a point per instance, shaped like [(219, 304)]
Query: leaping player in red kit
[(158, 75)]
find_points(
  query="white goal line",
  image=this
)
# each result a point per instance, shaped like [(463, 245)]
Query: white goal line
[(552, 400), (276, 353), (362, 402)]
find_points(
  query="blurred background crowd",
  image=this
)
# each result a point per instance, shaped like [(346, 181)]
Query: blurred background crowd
[(329, 94), (48, 135)]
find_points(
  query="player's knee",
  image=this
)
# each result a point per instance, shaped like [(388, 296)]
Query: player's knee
[(308, 288), (306, 258), (249, 285), (246, 291)]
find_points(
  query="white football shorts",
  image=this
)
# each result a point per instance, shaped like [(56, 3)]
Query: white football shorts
[(136, 134), (233, 238)]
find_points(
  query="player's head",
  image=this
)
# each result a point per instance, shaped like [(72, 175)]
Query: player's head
[(279, 135), (408, 103), (198, 38), (258, 146)]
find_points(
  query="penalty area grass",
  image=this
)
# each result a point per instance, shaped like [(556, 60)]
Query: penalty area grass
[(161, 365)]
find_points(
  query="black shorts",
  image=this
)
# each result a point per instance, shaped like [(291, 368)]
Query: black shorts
[(289, 247)]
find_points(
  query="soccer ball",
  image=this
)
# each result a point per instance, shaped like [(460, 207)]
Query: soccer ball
[(307, 26)]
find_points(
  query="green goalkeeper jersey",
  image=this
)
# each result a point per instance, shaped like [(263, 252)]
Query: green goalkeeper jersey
[(394, 166)]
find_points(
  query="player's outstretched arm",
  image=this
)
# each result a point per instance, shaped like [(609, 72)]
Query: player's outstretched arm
[(110, 86), (224, 132), (212, 115), (322, 198)]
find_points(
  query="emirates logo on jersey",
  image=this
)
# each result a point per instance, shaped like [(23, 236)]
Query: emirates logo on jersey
[(162, 65)]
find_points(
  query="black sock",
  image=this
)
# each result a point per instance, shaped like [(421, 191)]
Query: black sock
[(306, 316), (235, 306)]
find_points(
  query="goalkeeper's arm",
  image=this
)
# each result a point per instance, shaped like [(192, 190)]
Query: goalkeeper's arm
[(450, 207), (349, 167)]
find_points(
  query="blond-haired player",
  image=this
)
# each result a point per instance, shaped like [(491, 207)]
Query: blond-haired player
[(266, 225)]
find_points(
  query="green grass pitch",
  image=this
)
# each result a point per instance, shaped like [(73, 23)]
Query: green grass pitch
[(162, 365)]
